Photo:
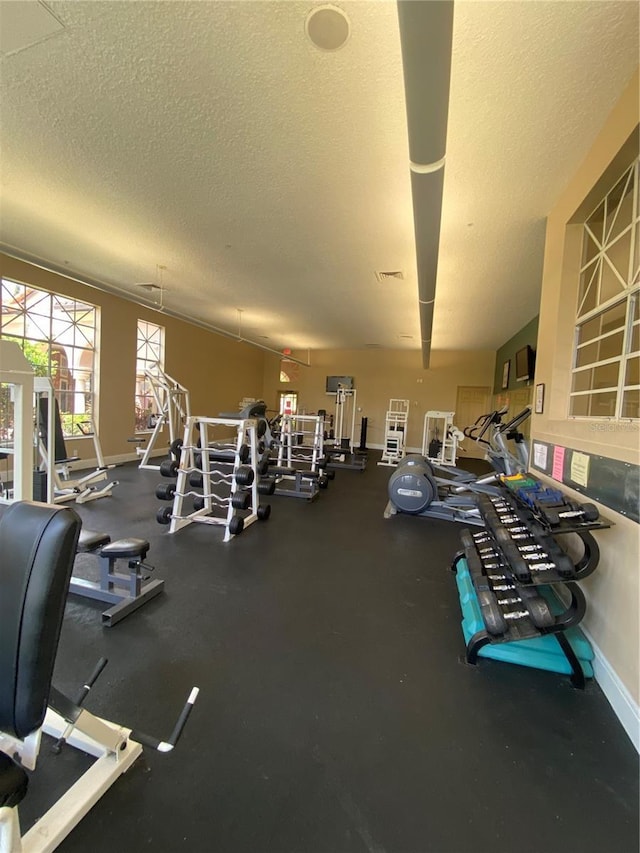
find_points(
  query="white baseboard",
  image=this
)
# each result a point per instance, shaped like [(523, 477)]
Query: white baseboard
[(622, 702)]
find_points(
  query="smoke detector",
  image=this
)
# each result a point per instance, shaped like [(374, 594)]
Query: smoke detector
[(327, 27)]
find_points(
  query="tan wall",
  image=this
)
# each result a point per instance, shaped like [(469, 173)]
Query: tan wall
[(380, 375), (218, 371), (612, 616)]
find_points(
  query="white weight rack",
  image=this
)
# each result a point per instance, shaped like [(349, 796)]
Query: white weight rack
[(395, 432), (212, 477), (307, 452), (440, 426)]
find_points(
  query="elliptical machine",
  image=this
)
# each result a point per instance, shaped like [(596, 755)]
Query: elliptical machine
[(496, 449), (420, 487)]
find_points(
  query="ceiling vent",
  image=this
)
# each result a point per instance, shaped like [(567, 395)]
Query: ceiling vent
[(327, 27), (373, 346), (385, 275), (406, 337), (148, 285)]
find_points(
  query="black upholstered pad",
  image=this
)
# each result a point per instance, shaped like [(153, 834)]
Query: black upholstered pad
[(253, 410), (90, 540), (37, 547), (13, 782), (126, 548)]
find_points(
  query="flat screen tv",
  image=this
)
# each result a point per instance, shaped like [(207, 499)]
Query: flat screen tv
[(525, 360), (334, 381)]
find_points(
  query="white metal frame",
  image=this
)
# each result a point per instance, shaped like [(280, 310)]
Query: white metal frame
[(115, 752), (61, 487), (16, 371), (345, 417), (629, 294), (451, 437), (290, 452), (246, 432), (395, 431), (173, 408)]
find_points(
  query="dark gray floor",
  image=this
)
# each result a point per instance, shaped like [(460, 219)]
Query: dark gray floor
[(335, 715)]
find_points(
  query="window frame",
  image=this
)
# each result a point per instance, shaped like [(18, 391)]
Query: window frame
[(55, 344), (629, 297)]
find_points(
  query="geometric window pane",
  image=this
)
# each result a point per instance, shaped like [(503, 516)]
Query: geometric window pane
[(619, 207), (579, 407), (589, 250), (56, 344), (588, 294), (632, 373), (609, 321), (631, 404), (634, 343), (617, 263), (596, 222), (608, 347), (149, 356), (602, 405)]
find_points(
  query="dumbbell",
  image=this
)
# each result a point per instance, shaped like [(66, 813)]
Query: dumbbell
[(586, 512)]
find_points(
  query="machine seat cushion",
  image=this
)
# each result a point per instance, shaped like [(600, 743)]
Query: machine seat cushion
[(126, 548), (90, 540), (13, 782)]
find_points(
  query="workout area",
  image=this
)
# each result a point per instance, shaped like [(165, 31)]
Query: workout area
[(319, 427)]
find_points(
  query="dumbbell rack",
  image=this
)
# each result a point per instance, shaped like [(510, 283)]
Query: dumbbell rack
[(203, 463), (507, 575)]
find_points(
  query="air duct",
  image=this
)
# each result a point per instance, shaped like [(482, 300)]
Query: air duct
[(426, 33)]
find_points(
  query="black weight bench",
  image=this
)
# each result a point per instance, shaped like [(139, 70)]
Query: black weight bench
[(126, 591), (38, 543)]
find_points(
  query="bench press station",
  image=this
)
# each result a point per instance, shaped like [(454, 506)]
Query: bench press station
[(38, 543)]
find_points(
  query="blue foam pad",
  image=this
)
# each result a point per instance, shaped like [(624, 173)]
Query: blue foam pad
[(542, 652)]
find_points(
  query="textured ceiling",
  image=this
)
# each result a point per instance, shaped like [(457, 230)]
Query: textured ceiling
[(214, 140)]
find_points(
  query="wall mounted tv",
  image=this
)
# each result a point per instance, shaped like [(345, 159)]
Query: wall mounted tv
[(525, 363), (334, 381)]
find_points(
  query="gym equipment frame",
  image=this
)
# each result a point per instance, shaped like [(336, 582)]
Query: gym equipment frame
[(173, 408), (17, 373), (61, 487), (234, 469), (342, 453), (508, 573), (395, 432), (446, 448), (39, 543)]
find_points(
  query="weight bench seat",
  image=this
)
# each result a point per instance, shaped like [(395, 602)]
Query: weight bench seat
[(126, 548), (90, 540)]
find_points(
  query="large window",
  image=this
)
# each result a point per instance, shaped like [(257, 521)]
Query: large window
[(58, 336), (606, 366), (149, 355)]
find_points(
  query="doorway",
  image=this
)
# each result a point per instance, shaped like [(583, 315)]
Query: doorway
[(288, 402)]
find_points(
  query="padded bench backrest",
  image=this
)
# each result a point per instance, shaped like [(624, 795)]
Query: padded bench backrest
[(37, 548)]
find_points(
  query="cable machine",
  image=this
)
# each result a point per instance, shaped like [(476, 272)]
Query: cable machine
[(395, 432), (440, 438)]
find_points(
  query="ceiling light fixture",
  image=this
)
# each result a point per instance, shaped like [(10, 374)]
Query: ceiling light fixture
[(327, 27)]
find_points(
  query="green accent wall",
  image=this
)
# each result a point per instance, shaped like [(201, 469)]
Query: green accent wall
[(507, 352)]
